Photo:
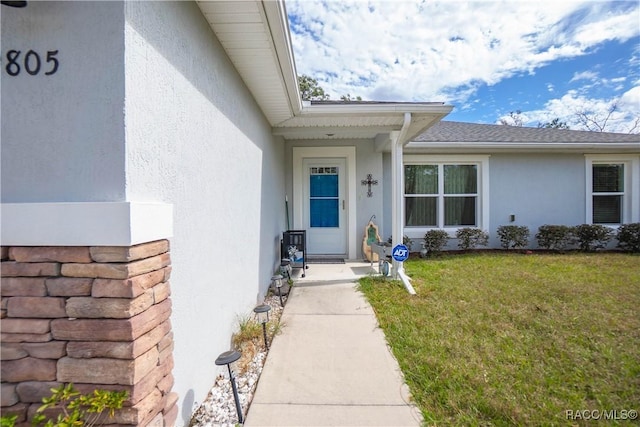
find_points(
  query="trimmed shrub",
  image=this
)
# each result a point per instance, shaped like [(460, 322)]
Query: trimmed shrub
[(592, 236), (556, 237), (629, 237), (513, 236), (469, 238), (406, 240), (435, 240)]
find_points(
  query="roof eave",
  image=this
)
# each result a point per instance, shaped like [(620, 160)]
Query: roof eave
[(276, 14), (519, 147), (255, 36), (383, 108), (272, 79), (423, 116)]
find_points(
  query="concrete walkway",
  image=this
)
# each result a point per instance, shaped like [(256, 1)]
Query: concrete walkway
[(330, 365)]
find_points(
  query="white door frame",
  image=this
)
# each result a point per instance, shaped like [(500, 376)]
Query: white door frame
[(349, 153), (326, 240)]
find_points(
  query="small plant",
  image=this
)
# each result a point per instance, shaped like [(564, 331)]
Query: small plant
[(629, 237), (435, 240), (406, 240), (513, 236), (248, 330), (469, 238), (555, 237), (592, 236), (249, 338), (79, 409), (8, 420)]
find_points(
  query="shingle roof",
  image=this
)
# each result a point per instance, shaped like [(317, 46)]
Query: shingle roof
[(446, 131)]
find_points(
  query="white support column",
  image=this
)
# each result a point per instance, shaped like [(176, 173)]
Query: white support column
[(397, 191), (397, 229)]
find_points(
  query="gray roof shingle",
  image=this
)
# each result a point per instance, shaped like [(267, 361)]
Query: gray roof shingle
[(446, 131)]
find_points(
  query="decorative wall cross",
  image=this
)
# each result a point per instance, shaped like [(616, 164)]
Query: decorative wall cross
[(369, 181)]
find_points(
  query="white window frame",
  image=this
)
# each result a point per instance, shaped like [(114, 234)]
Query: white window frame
[(482, 202), (631, 193)]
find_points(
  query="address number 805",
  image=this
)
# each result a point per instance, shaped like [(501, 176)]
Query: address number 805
[(31, 62)]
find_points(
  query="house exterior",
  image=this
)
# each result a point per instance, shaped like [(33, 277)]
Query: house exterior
[(147, 158), (153, 153), (520, 176)]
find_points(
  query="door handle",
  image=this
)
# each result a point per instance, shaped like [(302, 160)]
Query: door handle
[(342, 204)]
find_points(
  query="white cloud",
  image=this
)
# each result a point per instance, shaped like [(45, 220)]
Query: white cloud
[(568, 107), (630, 101), (607, 26), (584, 75), (443, 50)]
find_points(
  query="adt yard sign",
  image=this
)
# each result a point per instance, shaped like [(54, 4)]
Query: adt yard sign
[(400, 253)]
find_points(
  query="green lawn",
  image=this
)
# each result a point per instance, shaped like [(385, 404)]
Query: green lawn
[(514, 339)]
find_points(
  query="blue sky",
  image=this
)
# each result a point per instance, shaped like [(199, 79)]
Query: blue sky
[(547, 59)]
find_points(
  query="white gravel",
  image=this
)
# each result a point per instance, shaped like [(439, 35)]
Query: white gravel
[(219, 409)]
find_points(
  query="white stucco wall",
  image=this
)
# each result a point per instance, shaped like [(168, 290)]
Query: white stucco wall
[(538, 189), (197, 139), (369, 161), (146, 115), (62, 134)]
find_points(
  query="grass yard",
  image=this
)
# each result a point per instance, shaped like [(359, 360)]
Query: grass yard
[(514, 339)]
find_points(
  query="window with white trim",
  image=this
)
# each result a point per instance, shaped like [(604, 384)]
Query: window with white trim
[(607, 193), (610, 189), (443, 194)]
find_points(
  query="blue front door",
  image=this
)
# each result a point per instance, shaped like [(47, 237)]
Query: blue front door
[(325, 206)]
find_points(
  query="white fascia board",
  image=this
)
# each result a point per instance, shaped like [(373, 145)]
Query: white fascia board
[(319, 131), (520, 146), (85, 223), (418, 125), (276, 15), (367, 109)]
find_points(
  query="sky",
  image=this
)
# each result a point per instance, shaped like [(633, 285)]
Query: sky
[(546, 59)]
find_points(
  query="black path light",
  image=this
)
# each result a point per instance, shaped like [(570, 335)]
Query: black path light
[(227, 358), (262, 311), (285, 267), (277, 283), (14, 3)]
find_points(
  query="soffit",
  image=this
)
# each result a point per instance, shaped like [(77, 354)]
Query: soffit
[(360, 120), (321, 126), (256, 39)]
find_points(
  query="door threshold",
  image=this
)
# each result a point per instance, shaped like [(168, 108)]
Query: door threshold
[(325, 259)]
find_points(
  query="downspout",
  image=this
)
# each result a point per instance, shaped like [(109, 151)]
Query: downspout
[(397, 191)]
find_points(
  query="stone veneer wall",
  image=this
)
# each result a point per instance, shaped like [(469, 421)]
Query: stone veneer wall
[(98, 317)]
